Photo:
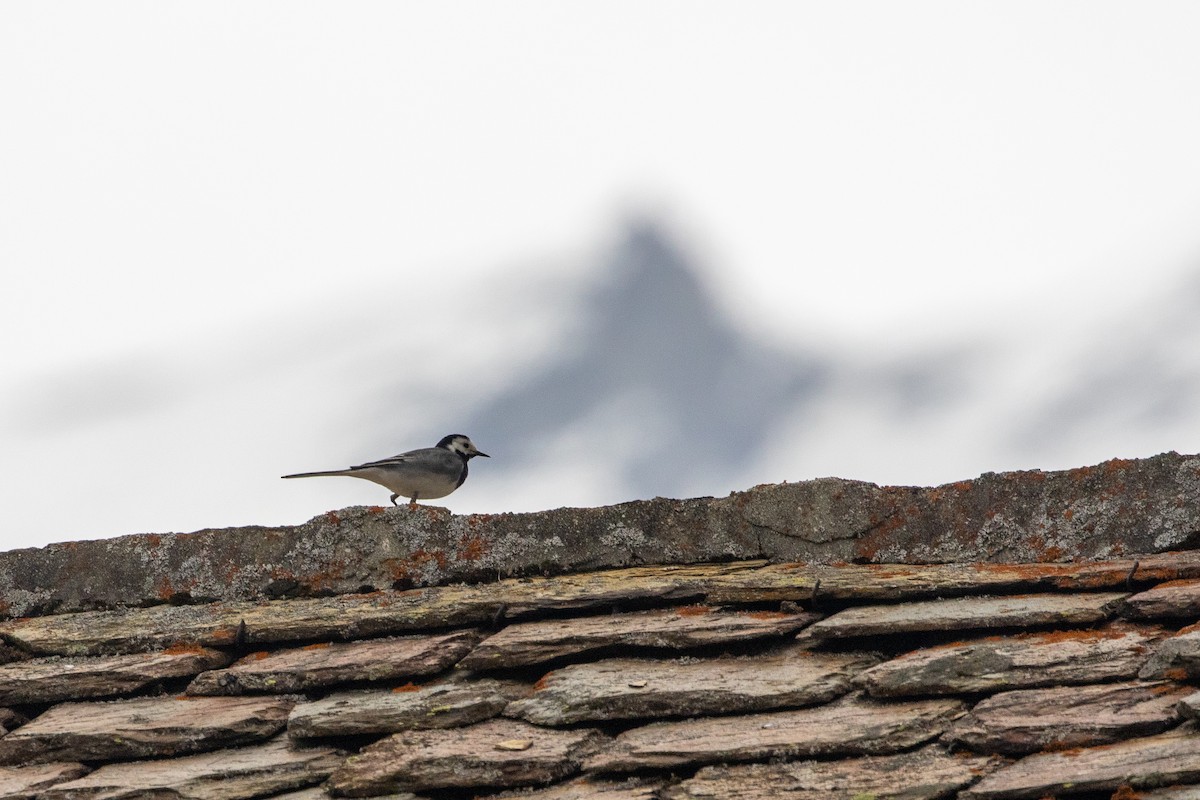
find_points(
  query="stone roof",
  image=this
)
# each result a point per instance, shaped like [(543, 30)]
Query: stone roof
[(1023, 635)]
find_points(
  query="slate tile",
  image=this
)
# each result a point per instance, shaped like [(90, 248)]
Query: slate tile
[(968, 613), (1062, 717), (588, 789), (350, 616), (1172, 599), (1169, 793), (236, 774), (53, 679), (1019, 661), (144, 727), (496, 753), (646, 689), (1176, 657), (892, 582), (675, 628), (327, 664), (1144, 763), (926, 774), (321, 793), (848, 727), (24, 783), (442, 705)]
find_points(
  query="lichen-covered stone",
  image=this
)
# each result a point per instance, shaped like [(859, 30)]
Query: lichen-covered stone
[(968, 613), (847, 727), (331, 663), (927, 774), (1145, 763), (408, 707), (1062, 717), (629, 688), (1019, 661), (118, 730), (238, 774), (496, 753), (49, 680), (1142, 506)]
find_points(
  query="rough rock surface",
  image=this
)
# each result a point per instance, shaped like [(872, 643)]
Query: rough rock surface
[(968, 613), (143, 727), (327, 663), (1116, 508), (493, 753), (627, 688), (849, 727), (43, 680), (926, 774), (1020, 661), (219, 775), (1063, 717), (673, 629), (1147, 763), (408, 707)]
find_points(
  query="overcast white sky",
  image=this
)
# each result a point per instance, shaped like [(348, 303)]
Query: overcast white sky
[(172, 171)]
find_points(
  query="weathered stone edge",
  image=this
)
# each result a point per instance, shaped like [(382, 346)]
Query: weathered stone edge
[(1118, 508)]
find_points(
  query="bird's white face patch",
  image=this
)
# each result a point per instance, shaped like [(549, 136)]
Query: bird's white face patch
[(462, 445)]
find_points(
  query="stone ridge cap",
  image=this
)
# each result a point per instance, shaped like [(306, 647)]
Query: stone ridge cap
[(1104, 512)]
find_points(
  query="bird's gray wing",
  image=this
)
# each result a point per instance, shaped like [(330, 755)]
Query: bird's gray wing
[(402, 458)]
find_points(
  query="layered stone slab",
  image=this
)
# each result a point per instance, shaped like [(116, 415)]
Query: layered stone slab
[(301, 669), (1171, 793), (627, 688), (588, 789), (1180, 599), (847, 727), (1027, 721), (496, 753), (50, 680), (320, 793), (1177, 657), (1020, 661), (927, 774), (969, 613), (143, 728), (892, 582), (388, 612), (220, 775), (673, 629), (1144, 506), (1146, 763), (444, 705), (28, 781)]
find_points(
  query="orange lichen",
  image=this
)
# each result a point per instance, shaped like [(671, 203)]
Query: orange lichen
[(332, 518), (408, 687), (183, 648), (542, 682), (1126, 792), (258, 656), (472, 548), (696, 610), (163, 589), (317, 646), (376, 509)]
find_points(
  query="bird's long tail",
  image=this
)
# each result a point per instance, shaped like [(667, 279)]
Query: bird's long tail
[(319, 474)]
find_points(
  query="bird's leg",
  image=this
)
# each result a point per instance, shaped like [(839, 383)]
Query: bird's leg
[(412, 501), (393, 498)]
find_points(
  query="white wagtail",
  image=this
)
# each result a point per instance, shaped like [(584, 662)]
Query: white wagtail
[(428, 473)]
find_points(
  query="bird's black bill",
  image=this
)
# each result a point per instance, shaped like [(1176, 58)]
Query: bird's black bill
[(485, 455)]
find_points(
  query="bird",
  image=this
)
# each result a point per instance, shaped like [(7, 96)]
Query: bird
[(426, 474)]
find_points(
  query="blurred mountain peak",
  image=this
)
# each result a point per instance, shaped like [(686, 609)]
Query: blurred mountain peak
[(653, 365)]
